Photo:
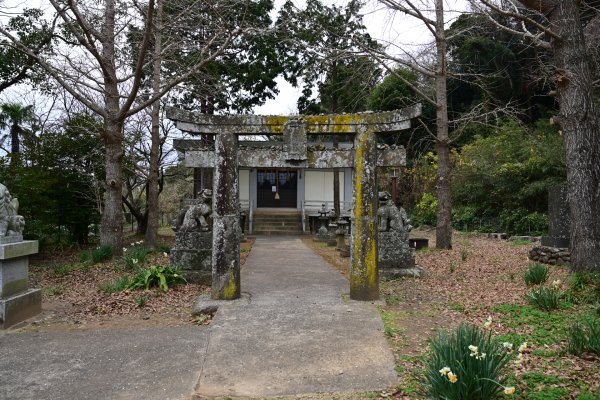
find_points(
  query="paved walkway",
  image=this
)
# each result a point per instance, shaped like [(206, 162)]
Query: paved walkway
[(294, 332), (298, 333)]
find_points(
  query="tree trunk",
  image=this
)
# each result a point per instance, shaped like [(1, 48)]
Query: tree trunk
[(111, 228), (578, 119), (15, 146), (443, 231), (152, 205)]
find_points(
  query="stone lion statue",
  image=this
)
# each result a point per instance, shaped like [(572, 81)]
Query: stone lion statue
[(194, 218), (10, 222), (392, 218)]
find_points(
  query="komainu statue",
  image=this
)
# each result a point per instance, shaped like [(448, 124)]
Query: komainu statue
[(392, 218), (395, 256), (11, 223), (194, 218)]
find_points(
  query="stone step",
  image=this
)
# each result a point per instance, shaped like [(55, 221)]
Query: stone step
[(289, 223), (276, 227), (273, 232)]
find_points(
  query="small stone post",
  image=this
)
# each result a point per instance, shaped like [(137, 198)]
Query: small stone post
[(364, 276), (226, 215)]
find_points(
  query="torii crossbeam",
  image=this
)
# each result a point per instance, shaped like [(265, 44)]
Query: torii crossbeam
[(364, 275)]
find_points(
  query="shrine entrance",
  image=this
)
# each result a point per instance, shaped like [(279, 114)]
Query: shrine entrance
[(291, 154), (276, 188)]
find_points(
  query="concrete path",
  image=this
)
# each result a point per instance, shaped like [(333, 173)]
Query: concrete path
[(143, 363), (295, 331)]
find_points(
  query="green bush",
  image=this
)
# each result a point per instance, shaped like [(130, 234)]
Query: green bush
[(536, 274), (584, 336), (99, 254), (465, 217), (521, 221), (544, 298), (102, 253), (457, 370), (114, 286), (157, 276), (584, 288), (426, 210), (163, 248), (135, 256)]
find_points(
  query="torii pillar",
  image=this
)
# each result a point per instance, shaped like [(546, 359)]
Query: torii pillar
[(364, 274), (294, 153), (226, 215)]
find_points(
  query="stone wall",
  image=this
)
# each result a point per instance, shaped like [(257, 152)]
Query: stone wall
[(550, 255)]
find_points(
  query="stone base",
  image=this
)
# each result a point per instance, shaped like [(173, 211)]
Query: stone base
[(18, 249), (207, 305), (193, 254), (394, 273), (345, 251), (11, 239), (394, 251), (20, 307)]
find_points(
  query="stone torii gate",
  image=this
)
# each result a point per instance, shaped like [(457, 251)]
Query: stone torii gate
[(227, 157)]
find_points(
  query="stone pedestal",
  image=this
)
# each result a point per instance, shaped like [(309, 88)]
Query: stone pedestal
[(396, 257), (558, 218), (17, 301), (193, 254)]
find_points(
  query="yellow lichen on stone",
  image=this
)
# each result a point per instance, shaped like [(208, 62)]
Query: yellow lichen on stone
[(230, 291), (276, 123)]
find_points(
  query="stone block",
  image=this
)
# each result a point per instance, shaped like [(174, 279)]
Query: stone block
[(18, 249), (393, 252), (20, 307), (11, 239), (193, 240), (14, 276)]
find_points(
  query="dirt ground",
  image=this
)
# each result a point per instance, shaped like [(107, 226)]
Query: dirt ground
[(72, 298), (478, 279)]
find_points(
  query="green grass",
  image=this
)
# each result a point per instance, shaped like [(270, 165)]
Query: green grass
[(520, 242), (456, 307), (66, 269), (584, 336), (544, 328), (54, 290), (543, 387), (536, 274), (389, 319), (544, 298), (114, 286), (392, 299)]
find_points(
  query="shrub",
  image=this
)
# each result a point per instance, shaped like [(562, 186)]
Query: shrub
[(544, 298), (536, 274), (114, 286), (163, 248), (426, 210), (99, 254), (157, 276), (135, 256), (457, 370), (584, 288), (584, 336), (102, 253)]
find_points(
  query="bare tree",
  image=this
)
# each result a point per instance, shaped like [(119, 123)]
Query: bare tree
[(431, 16), (93, 64), (558, 25)]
